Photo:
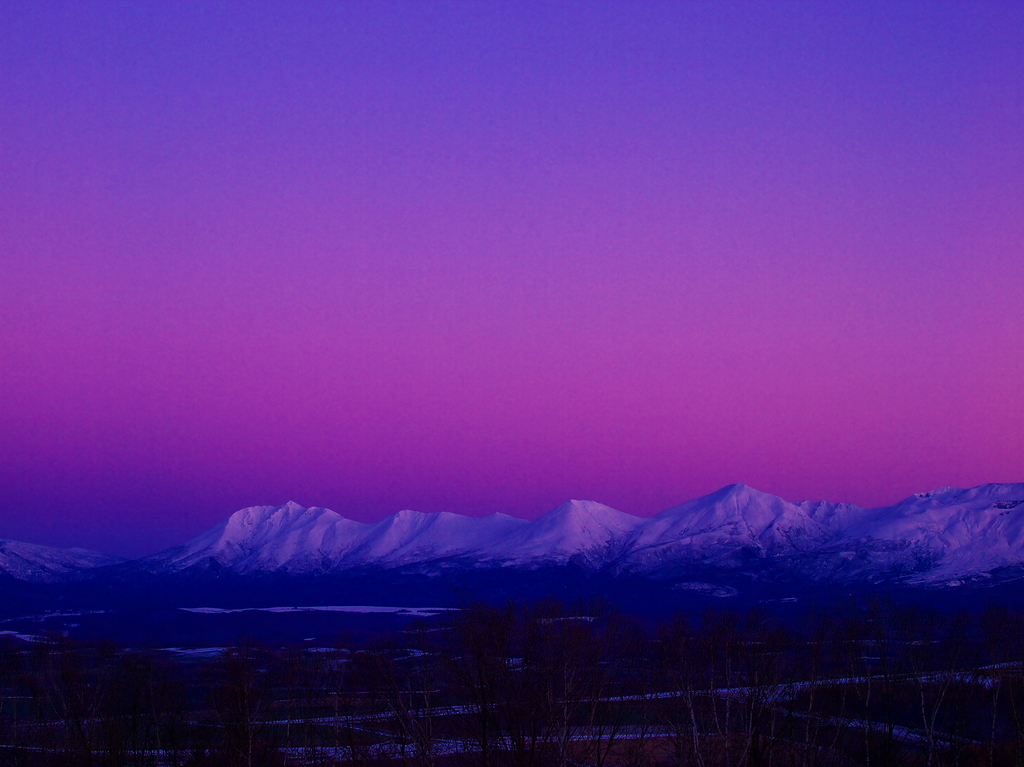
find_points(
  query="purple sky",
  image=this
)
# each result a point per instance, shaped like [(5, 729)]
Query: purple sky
[(485, 257)]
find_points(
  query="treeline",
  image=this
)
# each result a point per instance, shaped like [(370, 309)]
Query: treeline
[(542, 685)]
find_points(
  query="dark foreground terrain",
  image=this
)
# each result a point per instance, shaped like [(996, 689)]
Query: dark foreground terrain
[(146, 610), (865, 682)]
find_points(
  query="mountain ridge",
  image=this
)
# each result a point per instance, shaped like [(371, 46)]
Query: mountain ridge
[(945, 536), (34, 563)]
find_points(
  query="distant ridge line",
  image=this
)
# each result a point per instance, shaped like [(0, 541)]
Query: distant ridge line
[(942, 536)]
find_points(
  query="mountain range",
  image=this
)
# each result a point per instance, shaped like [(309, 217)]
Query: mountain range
[(945, 538)]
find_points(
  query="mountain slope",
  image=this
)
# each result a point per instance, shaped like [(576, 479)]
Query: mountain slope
[(945, 536), (45, 564), (732, 525), (584, 531), (294, 539), (949, 533), (266, 538), (411, 537)]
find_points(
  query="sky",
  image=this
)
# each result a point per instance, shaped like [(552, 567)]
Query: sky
[(485, 257)]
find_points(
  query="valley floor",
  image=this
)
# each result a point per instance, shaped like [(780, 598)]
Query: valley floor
[(536, 685)]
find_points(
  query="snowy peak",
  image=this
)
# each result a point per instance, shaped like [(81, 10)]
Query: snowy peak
[(733, 521), (575, 530), (413, 536), (960, 532), (942, 535), (833, 516), (951, 496), (294, 539), (288, 537), (251, 528), (46, 564)]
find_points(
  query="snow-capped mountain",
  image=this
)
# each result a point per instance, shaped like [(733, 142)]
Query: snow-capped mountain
[(294, 539), (580, 531), (942, 537), (734, 522), (45, 564), (265, 539), (931, 537), (409, 537)]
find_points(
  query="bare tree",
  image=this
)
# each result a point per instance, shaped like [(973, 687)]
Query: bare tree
[(241, 696)]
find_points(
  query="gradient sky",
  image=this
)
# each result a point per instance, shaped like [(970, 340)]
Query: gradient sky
[(485, 257)]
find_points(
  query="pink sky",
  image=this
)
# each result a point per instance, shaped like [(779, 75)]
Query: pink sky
[(476, 259)]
